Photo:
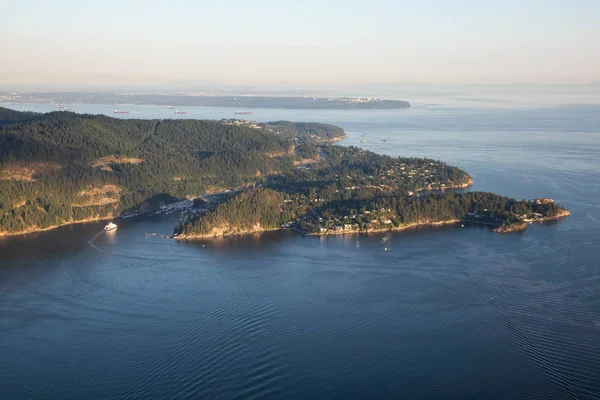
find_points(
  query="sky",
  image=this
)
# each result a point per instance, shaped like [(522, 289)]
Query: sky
[(327, 42)]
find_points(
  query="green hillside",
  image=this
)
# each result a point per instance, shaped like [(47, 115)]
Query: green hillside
[(62, 167), (57, 167)]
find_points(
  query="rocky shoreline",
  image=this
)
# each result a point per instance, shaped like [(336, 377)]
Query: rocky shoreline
[(223, 233), (391, 229), (521, 226), (229, 231), (501, 229), (49, 228), (335, 139), (219, 232), (511, 228)]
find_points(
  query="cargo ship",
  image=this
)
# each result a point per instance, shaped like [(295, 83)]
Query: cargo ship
[(180, 112), (243, 113), (121, 112)]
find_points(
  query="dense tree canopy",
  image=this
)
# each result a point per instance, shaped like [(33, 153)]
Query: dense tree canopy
[(63, 167), (305, 131), (259, 208), (46, 161)]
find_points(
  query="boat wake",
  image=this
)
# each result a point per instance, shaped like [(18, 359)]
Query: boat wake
[(91, 241)]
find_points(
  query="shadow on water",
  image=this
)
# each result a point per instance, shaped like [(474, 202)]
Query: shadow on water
[(265, 240), (63, 240), (256, 242)]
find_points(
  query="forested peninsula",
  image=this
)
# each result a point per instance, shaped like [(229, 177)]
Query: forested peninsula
[(60, 168)]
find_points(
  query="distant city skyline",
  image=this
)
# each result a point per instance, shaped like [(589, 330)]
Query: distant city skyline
[(71, 45)]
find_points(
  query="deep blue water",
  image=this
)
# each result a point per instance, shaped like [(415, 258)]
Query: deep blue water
[(445, 313)]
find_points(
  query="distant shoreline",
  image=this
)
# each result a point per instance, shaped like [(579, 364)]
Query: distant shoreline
[(193, 100)]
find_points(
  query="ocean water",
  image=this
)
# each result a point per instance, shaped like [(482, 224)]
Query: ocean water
[(444, 313)]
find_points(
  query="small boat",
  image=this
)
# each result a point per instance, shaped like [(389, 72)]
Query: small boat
[(243, 113), (384, 140), (180, 112), (110, 226), (121, 112), (170, 108), (363, 141)]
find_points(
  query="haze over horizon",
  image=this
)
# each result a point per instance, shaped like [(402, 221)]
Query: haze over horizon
[(153, 43)]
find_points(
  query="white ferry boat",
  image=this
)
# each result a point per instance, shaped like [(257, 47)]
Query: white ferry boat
[(110, 226)]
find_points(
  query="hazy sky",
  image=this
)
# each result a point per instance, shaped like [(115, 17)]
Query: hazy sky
[(301, 42)]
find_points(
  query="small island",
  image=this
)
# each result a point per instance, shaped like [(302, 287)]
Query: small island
[(233, 176)]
